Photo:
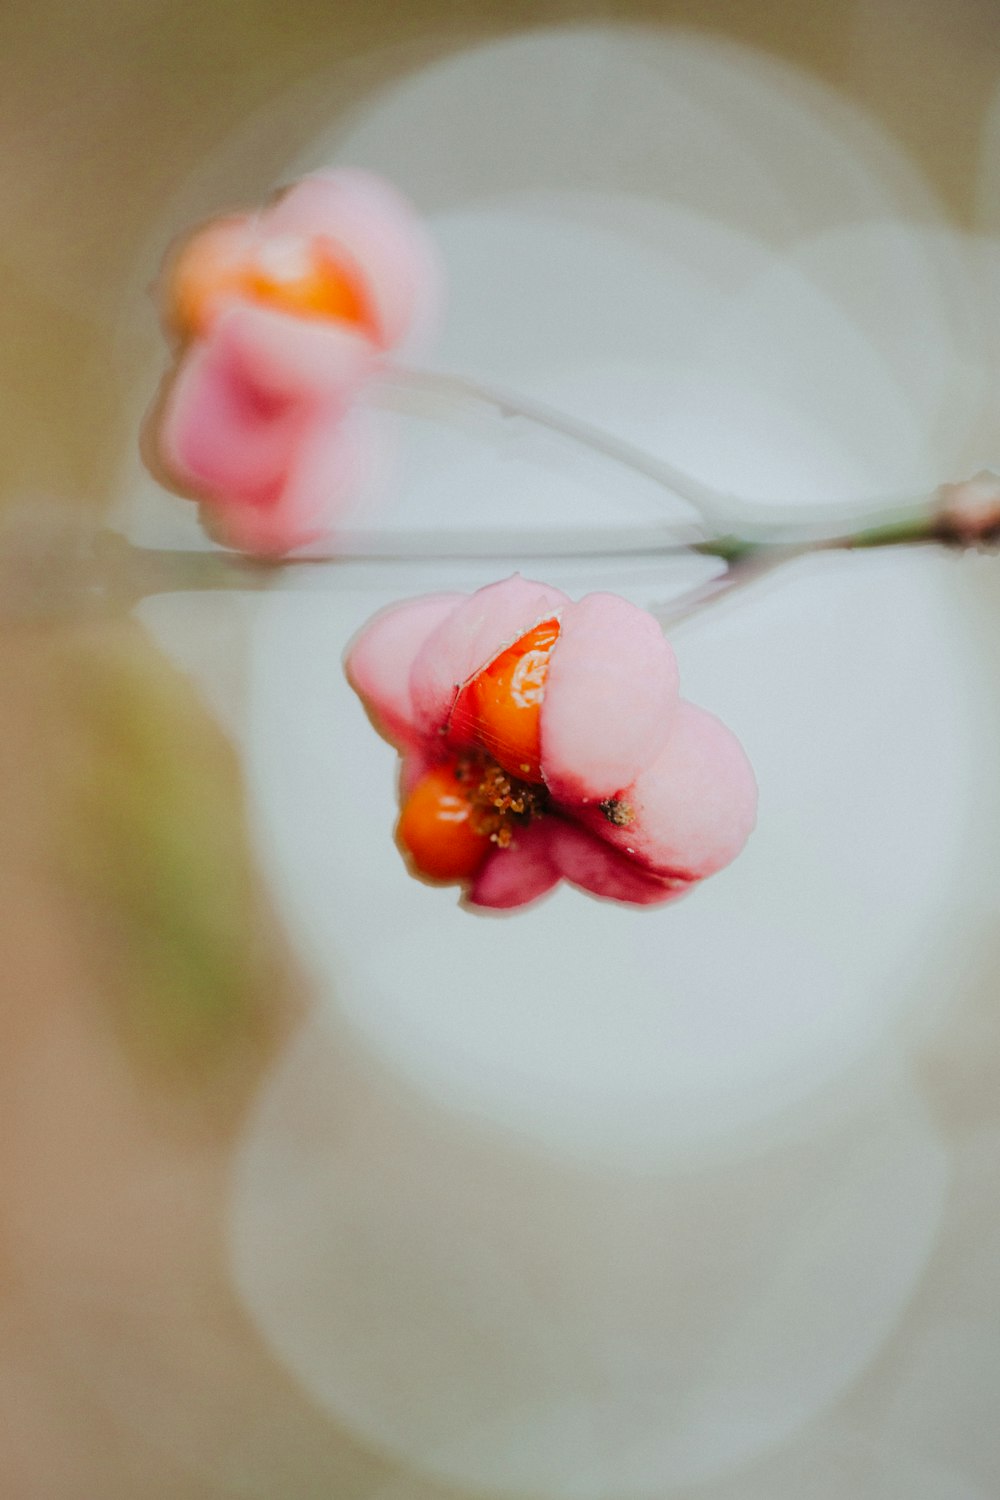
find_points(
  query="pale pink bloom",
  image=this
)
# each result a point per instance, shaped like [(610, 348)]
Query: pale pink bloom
[(282, 316), (638, 794)]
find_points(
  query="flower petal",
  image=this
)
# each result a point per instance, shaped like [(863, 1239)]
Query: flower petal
[(693, 809), (291, 357), (518, 874), (252, 424), (485, 624), (242, 400), (322, 474), (379, 660), (380, 232), (414, 763), (610, 698), (585, 860)]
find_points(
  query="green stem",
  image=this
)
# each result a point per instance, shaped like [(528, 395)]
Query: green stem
[(110, 571), (55, 565)]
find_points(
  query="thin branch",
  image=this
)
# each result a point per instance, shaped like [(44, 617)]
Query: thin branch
[(721, 514)]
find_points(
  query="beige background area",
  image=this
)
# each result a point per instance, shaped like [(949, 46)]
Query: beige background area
[(146, 985)]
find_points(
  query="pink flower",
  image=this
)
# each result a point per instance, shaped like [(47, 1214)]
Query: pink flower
[(282, 316), (543, 739)]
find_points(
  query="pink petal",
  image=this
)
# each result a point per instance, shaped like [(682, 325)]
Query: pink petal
[(381, 234), (693, 809), (610, 698), (218, 437), (380, 658), (518, 874), (324, 471), (472, 635), (328, 469), (290, 357), (414, 763), (588, 862), (251, 423)]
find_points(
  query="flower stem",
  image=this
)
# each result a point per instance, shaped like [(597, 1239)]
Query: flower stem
[(53, 563), (752, 540), (713, 507), (728, 526)]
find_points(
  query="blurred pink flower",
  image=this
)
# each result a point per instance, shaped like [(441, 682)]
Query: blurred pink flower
[(281, 317), (543, 739)]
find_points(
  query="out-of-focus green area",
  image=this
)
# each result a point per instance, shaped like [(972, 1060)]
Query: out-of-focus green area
[(130, 886), (156, 847), (144, 986)]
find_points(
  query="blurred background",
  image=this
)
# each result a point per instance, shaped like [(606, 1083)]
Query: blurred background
[(313, 1184)]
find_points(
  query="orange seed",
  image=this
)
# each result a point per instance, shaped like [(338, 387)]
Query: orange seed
[(435, 828), (504, 702), (295, 275)]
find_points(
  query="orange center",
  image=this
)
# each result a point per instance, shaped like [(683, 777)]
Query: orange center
[(304, 277), (435, 829), (501, 707), (459, 809)]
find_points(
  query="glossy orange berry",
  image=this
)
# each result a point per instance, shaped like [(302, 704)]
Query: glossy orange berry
[(306, 278), (435, 828), (503, 703), (290, 273), (211, 267)]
